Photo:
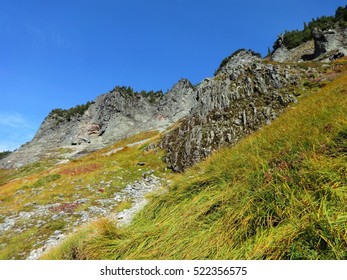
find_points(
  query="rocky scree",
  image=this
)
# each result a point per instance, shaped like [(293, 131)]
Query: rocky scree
[(69, 215)]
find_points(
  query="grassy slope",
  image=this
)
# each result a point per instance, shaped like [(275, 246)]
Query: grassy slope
[(281, 193), (95, 177)]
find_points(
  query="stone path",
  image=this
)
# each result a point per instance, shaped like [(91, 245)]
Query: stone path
[(135, 192)]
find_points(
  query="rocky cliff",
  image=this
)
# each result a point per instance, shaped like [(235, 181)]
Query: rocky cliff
[(330, 44), (245, 94), (112, 116), (325, 46)]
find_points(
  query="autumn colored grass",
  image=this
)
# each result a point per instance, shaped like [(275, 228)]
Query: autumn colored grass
[(81, 169), (281, 193), (95, 177)]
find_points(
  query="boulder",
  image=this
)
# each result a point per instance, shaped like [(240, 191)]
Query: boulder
[(330, 41)]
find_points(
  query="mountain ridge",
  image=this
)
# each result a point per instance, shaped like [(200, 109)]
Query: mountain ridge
[(121, 112), (110, 117), (279, 193), (262, 145)]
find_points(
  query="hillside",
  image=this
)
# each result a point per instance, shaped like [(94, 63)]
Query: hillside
[(42, 202), (247, 164), (278, 194)]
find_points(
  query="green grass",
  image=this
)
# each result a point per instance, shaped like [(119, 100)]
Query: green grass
[(34, 168), (281, 193), (94, 177), (12, 247)]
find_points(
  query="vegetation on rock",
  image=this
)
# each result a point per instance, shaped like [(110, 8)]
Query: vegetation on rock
[(151, 95), (294, 38), (68, 114), (4, 154)]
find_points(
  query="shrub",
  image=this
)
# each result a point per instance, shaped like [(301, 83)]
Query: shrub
[(62, 114), (151, 95), (4, 154)]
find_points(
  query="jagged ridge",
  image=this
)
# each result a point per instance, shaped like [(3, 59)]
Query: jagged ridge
[(245, 93), (112, 116)]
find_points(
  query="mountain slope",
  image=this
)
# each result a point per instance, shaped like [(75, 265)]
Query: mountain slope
[(262, 150), (246, 93), (40, 204), (322, 39), (280, 193), (111, 117)]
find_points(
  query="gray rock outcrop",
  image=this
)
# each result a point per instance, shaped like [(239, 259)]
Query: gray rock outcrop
[(332, 42), (325, 45), (111, 117), (301, 53), (245, 94), (281, 52)]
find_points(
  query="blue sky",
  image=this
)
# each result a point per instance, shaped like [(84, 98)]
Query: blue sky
[(60, 53)]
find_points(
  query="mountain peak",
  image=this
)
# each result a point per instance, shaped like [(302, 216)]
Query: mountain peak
[(237, 58)]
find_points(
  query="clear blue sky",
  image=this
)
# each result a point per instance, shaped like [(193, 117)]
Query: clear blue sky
[(60, 53)]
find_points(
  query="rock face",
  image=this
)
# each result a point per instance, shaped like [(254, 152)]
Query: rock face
[(332, 42), (112, 116), (281, 52), (326, 45), (303, 52), (245, 94)]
